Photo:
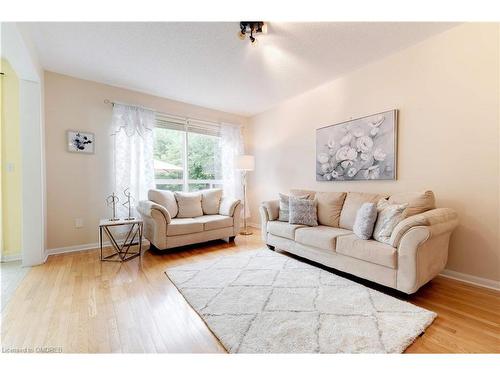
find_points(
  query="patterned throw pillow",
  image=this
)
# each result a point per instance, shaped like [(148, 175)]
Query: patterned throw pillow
[(389, 215), (365, 220), (303, 211), (285, 206)]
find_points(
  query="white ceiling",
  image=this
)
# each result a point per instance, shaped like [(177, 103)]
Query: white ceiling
[(206, 64)]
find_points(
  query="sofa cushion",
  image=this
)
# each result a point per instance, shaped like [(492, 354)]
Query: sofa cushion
[(352, 204), (164, 198), (211, 222), (210, 201), (180, 226), (299, 192), (369, 250), (284, 210), (418, 202), (329, 207), (322, 237), (303, 211), (189, 204), (283, 229)]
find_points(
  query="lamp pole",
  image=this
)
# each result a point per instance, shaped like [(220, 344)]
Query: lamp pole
[(245, 231)]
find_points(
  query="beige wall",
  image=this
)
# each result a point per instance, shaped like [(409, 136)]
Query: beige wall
[(78, 184), (446, 89)]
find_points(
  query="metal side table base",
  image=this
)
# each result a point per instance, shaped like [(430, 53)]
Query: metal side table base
[(122, 252)]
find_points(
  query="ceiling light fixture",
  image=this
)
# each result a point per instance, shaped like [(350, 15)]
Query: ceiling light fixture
[(253, 28)]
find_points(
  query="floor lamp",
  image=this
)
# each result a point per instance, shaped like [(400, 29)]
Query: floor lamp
[(245, 163)]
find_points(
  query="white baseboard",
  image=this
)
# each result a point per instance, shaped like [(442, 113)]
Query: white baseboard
[(10, 258), (75, 248), (471, 279)]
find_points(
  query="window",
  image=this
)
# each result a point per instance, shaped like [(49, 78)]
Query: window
[(187, 155)]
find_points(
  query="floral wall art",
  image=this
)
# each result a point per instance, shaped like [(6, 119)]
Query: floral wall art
[(359, 149)]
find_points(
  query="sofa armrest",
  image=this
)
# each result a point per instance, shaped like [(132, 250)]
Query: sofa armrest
[(264, 218), (438, 220), (423, 247), (228, 205), (151, 209), (272, 208)]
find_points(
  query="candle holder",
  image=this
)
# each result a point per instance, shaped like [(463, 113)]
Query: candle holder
[(111, 201)]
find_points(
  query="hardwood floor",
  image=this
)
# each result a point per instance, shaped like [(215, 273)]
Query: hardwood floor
[(75, 303)]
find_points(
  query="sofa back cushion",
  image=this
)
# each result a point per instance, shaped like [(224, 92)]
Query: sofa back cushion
[(164, 198), (352, 203), (210, 201), (189, 204), (418, 202), (300, 192), (329, 207)]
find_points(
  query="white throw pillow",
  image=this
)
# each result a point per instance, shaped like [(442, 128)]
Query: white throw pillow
[(189, 204), (389, 215), (365, 221), (210, 201)]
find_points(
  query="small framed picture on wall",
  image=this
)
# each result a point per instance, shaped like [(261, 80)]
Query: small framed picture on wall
[(80, 142)]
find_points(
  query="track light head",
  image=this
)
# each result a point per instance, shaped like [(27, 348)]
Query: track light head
[(253, 28)]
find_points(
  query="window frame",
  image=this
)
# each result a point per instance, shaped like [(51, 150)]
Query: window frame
[(186, 126)]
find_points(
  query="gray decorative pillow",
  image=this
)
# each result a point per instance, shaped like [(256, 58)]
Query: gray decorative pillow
[(389, 215), (365, 221), (303, 211), (283, 214)]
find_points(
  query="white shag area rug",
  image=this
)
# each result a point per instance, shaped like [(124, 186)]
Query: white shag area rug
[(266, 302)]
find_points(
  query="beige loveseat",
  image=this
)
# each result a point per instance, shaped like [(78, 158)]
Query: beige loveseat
[(417, 250), (172, 221)]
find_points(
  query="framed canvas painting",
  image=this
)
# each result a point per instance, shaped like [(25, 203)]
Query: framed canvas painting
[(80, 142), (360, 149)]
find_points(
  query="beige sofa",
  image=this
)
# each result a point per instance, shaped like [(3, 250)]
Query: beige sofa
[(218, 217), (417, 250)]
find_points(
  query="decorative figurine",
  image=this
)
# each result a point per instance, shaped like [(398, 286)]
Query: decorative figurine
[(127, 203), (111, 201)]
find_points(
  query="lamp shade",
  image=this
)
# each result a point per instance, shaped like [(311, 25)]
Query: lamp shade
[(245, 162)]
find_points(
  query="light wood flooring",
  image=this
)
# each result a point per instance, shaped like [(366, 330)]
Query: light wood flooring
[(75, 303)]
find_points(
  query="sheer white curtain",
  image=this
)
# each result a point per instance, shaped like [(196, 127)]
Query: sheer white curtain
[(231, 146), (133, 152)]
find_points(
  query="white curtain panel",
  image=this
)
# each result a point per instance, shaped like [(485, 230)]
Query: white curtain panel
[(231, 146), (133, 152)]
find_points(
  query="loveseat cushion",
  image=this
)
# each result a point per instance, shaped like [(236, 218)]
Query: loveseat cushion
[(368, 250), (352, 204), (210, 201), (329, 207), (211, 222), (283, 229), (164, 198), (189, 204), (322, 237), (180, 226)]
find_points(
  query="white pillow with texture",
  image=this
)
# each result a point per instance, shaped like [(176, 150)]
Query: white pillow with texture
[(189, 204), (365, 220), (389, 215)]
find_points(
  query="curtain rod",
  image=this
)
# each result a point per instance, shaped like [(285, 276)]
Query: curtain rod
[(107, 101)]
